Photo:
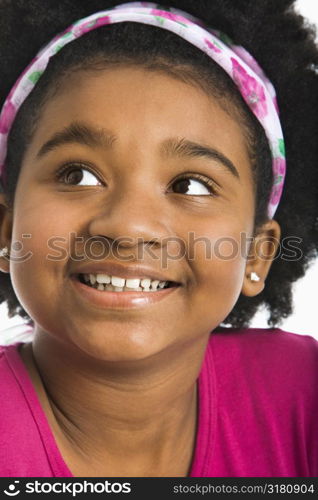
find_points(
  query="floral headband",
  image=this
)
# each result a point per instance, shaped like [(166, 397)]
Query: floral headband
[(255, 88)]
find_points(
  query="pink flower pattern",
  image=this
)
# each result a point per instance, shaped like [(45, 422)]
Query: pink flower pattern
[(81, 29), (279, 166), (279, 170), (276, 194), (9, 112), (169, 15), (248, 59), (212, 46), (251, 90)]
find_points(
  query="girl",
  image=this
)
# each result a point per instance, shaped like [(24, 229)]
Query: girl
[(146, 213)]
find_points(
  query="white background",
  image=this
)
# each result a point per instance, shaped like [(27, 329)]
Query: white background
[(303, 320)]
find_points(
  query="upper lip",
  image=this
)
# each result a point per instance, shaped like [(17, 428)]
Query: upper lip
[(121, 271)]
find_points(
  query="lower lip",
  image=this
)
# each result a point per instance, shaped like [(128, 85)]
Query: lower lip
[(120, 300)]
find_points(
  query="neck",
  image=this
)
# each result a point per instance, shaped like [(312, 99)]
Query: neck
[(140, 417)]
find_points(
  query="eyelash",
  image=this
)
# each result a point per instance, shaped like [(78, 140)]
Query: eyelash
[(211, 185)]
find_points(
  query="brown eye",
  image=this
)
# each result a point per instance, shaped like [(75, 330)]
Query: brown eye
[(182, 186), (73, 175), (193, 186)]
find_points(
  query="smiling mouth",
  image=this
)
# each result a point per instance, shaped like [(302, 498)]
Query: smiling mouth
[(105, 283)]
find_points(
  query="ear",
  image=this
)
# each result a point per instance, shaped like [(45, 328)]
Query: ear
[(261, 255), (6, 223)]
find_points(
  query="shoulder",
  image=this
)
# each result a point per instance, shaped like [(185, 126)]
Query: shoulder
[(270, 342), (276, 356), (10, 376), (8, 359)]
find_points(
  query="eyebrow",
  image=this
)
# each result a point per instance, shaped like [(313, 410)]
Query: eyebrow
[(78, 133), (185, 148)]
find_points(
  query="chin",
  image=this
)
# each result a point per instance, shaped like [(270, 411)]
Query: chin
[(120, 347)]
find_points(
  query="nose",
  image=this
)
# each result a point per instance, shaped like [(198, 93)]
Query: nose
[(131, 217)]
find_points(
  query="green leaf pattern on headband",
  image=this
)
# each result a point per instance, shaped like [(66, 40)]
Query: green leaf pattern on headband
[(281, 145), (35, 76)]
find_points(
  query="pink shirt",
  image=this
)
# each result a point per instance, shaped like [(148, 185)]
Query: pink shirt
[(258, 410)]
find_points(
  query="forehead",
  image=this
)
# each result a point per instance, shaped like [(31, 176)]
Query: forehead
[(142, 108)]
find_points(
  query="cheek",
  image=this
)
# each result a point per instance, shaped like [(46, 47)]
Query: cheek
[(218, 262), (37, 226), (36, 270)]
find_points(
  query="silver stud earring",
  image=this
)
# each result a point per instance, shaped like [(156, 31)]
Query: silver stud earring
[(4, 251), (254, 276)]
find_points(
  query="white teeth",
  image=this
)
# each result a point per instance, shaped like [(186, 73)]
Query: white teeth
[(145, 283), (114, 283), (92, 278), (118, 281), (133, 283), (103, 278), (154, 284)]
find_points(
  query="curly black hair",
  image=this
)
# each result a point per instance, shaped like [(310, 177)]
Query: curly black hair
[(271, 30)]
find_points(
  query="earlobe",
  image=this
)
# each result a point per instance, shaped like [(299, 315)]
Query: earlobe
[(254, 276), (253, 284), (4, 256), (4, 252), (262, 253)]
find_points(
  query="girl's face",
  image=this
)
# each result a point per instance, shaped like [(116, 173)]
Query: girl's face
[(132, 137)]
